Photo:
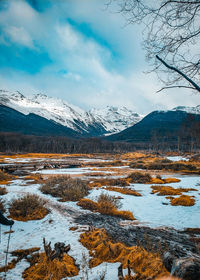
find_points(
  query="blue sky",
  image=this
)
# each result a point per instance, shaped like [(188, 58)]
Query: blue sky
[(79, 51)]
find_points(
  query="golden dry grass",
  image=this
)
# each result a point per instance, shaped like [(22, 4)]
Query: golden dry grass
[(146, 265), (168, 190), (34, 178), (55, 270), (105, 205), (127, 191), (5, 178), (29, 207), (183, 200)]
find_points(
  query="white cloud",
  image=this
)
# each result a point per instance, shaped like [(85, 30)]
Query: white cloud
[(19, 35), (84, 71)]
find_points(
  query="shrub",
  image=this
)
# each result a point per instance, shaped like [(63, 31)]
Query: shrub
[(106, 205), (66, 188), (104, 199), (29, 207), (3, 191), (139, 177)]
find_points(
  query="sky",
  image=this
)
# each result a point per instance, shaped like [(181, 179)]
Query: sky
[(81, 51)]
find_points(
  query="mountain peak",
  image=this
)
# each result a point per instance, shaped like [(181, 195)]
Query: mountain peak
[(110, 119)]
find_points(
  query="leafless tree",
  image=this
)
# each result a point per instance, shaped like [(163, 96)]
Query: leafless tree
[(172, 38)]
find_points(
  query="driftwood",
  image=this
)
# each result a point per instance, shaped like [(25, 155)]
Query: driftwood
[(57, 253)]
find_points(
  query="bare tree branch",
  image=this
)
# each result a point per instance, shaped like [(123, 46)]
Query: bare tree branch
[(195, 86)]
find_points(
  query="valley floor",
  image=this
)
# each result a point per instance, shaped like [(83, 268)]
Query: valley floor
[(151, 210)]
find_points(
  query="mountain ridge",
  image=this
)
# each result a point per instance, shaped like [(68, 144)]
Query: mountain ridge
[(94, 122)]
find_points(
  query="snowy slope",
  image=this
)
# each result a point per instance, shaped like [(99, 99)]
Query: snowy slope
[(107, 120), (115, 119), (191, 110)]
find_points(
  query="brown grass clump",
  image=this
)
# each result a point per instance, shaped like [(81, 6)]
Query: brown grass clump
[(3, 191), (127, 191), (183, 200), (29, 207), (146, 265), (106, 205), (4, 178), (55, 270), (66, 188), (167, 190), (122, 182), (2, 208), (34, 178), (140, 177)]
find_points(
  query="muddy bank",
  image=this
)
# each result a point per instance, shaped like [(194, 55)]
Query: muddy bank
[(179, 243)]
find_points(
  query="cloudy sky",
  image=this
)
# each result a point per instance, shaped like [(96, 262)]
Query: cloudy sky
[(81, 52)]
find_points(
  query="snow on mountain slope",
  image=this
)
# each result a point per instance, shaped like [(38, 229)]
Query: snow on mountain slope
[(106, 120), (115, 119), (191, 110)]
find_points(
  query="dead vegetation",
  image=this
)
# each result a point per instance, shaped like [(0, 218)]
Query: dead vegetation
[(183, 200), (168, 190), (65, 188), (166, 165), (3, 191), (34, 178), (18, 256), (127, 191), (28, 207), (146, 178), (146, 265), (5, 178), (106, 205), (54, 264)]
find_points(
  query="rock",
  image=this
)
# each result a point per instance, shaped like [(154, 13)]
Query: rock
[(186, 268), (168, 260)]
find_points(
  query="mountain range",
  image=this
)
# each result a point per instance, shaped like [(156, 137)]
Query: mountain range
[(46, 116), (95, 122)]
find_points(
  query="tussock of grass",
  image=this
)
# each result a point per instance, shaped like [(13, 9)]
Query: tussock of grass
[(65, 188), (34, 178), (168, 190), (146, 265), (127, 191), (140, 177), (3, 191), (106, 205), (183, 200), (4, 178), (29, 207), (110, 182), (54, 270)]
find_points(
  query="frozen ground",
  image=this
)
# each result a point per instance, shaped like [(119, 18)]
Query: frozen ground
[(177, 158), (55, 226)]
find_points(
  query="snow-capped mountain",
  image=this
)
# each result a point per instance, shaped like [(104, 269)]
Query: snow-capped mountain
[(115, 119), (191, 110), (93, 122)]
